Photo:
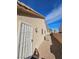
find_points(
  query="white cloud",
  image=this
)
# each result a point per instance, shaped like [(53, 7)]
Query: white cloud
[(54, 15)]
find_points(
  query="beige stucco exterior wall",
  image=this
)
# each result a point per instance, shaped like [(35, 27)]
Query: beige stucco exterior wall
[(35, 23)]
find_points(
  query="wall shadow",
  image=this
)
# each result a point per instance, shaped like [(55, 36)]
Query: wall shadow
[(56, 47)]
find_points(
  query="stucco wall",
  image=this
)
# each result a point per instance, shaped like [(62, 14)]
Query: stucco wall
[(35, 23)]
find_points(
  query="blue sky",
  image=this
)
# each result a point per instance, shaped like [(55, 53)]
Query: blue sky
[(51, 9), (55, 25)]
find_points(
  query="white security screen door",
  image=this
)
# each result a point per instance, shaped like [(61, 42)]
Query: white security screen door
[(25, 41)]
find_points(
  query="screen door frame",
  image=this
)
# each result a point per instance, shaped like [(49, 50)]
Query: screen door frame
[(19, 38)]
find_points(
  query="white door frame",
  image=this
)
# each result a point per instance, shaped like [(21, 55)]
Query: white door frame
[(20, 56)]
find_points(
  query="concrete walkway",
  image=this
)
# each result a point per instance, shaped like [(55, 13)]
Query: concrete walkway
[(44, 50)]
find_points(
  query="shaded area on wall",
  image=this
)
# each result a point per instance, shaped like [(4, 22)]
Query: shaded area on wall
[(56, 47)]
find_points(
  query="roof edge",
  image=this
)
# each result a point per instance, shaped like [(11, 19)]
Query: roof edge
[(31, 9)]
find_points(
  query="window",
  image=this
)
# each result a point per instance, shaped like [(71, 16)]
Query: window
[(42, 31)]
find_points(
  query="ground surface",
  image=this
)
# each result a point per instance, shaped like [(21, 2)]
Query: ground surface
[(52, 47), (44, 50)]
